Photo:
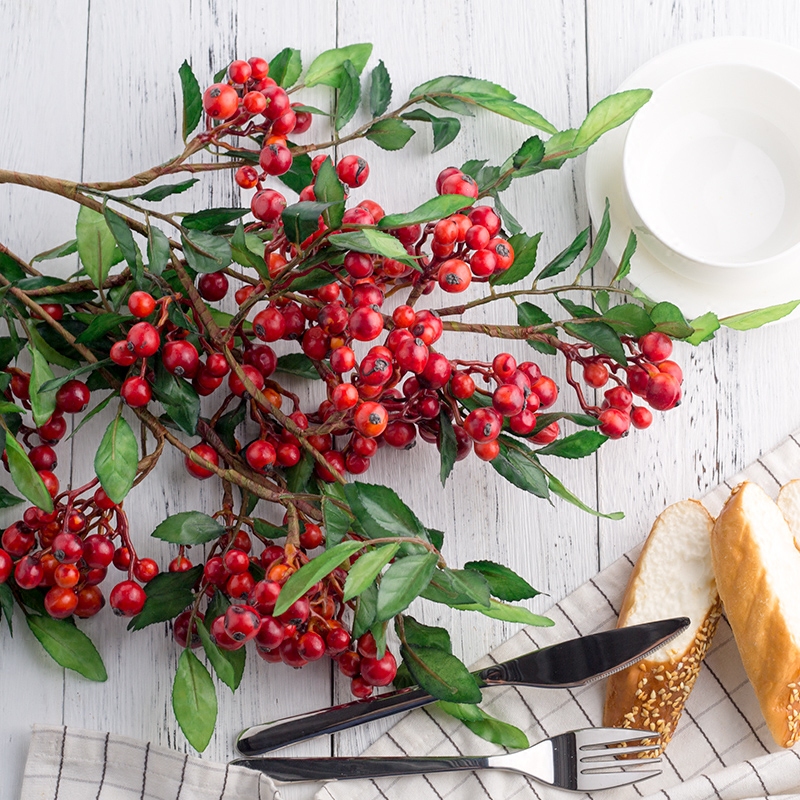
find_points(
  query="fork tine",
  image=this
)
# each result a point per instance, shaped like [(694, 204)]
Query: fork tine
[(611, 753), (619, 767), (597, 781), (601, 737)]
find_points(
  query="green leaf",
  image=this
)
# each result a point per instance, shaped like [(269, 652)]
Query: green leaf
[(123, 236), (390, 134), (755, 319), (441, 674), (453, 587), (525, 249), (268, 530), (228, 423), (242, 253), (363, 573), (380, 90), (518, 466), (297, 364), (368, 240), (365, 610), (419, 635), (158, 193), (503, 582), (188, 527), (25, 477), (461, 85), (609, 113), (473, 167), (9, 350), (9, 268), (205, 252), (436, 208), (576, 445), (558, 488), (336, 520), (297, 477), (629, 318), (116, 459), (158, 250), (600, 241), (316, 569), (7, 606), (69, 646), (669, 319), (96, 244), (566, 257), (180, 400), (194, 701), (348, 96), (601, 335), (66, 249), (228, 664), (508, 613), (705, 327), (312, 280), (625, 262), (301, 219), (530, 315), (8, 500), (300, 174), (168, 594), (328, 189), (89, 414), (486, 726), (54, 384), (380, 512), (403, 582), (43, 402), (100, 326), (447, 447), (602, 300), (328, 67), (52, 356), (510, 222), (285, 68), (529, 155), (577, 310), (211, 218), (192, 99)]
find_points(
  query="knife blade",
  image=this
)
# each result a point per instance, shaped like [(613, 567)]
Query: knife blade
[(576, 662)]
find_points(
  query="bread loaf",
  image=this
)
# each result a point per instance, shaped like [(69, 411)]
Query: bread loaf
[(789, 504), (758, 572), (673, 578)]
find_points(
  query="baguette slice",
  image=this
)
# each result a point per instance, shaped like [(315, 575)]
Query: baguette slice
[(757, 568), (673, 578), (789, 503)]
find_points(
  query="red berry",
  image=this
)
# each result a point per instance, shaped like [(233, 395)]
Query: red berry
[(278, 102), (275, 159), (242, 623), (72, 397), (352, 171), (523, 423), (487, 451), (240, 585), (614, 422), (379, 671), (311, 537), (206, 452), (220, 635), (311, 646), (546, 390), (53, 430), (655, 346), (671, 368), (297, 613), (143, 339), (67, 548), (303, 121), (483, 263), (246, 177), (180, 564), (459, 183), (122, 558), (462, 386), (508, 399), (316, 343), (619, 397), (135, 391), (486, 217), (437, 371), (663, 391), (638, 379), (366, 324), (547, 434), (90, 602), (477, 237), (370, 419), (50, 481), (344, 396), (259, 68), (504, 365), (483, 424), (180, 358), (43, 457), (214, 571), (121, 355), (6, 566), (260, 454), (454, 276), (641, 417), (267, 205), (236, 561), (503, 252), (127, 599), (271, 633), (60, 602), (595, 374), (141, 304), (220, 101), (236, 385), (145, 569), (28, 572), (180, 630), (288, 454), (336, 461)]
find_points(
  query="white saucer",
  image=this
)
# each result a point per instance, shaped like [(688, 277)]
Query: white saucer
[(604, 180)]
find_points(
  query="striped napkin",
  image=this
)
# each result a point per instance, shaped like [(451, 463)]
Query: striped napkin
[(721, 749)]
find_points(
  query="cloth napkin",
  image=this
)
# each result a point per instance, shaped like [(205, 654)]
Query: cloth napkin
[(721, 749)]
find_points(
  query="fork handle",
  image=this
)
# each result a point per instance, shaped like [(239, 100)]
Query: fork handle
[(343, 769)]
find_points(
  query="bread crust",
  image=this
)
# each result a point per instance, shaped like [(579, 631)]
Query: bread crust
[(767, 645), (651, 695)]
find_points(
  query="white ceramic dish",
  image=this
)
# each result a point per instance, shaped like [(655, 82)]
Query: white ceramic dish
[(735, 290)]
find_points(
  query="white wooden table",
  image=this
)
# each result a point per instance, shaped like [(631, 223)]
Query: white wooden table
[(89, 89)]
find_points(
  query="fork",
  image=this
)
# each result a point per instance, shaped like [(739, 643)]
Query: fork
[(585, 760)]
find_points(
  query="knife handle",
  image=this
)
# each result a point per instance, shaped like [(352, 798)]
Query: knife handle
[(318, 769), (263, 738)]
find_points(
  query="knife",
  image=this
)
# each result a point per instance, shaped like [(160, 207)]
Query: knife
[(576, 662)]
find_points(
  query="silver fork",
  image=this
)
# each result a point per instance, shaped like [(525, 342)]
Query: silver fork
[(585, 760)]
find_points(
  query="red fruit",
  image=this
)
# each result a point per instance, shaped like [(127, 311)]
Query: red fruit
[(240, 585), (367, 647), (671, 368), (336, 460), (619, 397), (486, 217), (246, 177), (303, 119), (595, 374), (358, 265), (121, 355), (179, 564), (90, 602), (267, 205), (483, 263), (67, 548), (180, 630), (316, 343), (289, 654), (135, 391), (259, 68), (353, 171), (180, 358), (462, 386), (260, 454), (508, 399), (400, 434), (53, 430), (366, 324), (127, 599), (145, 569), (271, 633), (375, 369), (333, 318), (311, 646), (55, 310), (98, 551), (445, 231), (143, 340), (663, 391), (236, 385), (370, 419), (275, 159), (503, 252), (6, 566), (546, 390), (269, 324), (220, 101), (236, 561), (638, 379), (102, 500), (477, 237), (254, 103), (344, 396), (43, 457), (50, 482), (444, 175), (504, 365), (297, 613), (278, 102), (72, 397), (141, 304), (459, 183), (454, 276), (239, 72), (288, 454), (311, 537), (241, 623), (483, 424), (357, 216), (207, 452), (641, 417), (379, 671), (437, 371), (412, 355), (60, 602), (614, 422), (220, 635), (367, 294), (547, 435), (655, 346), (214, 571), (28, 572), (523, 423)]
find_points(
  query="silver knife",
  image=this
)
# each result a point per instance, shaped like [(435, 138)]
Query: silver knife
[(576, 662)]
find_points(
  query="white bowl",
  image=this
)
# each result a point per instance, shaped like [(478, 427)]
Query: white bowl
[(711, 169)]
